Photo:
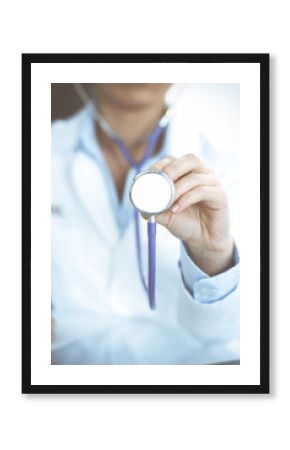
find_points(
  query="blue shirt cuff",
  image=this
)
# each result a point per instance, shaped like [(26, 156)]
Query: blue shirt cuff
[(201, 286)]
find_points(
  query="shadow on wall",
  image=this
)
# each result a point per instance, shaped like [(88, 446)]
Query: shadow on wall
[(64, 100)]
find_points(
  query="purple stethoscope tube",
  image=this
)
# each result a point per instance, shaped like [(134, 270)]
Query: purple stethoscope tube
[(138, 165), (151, 225), (151, 230)]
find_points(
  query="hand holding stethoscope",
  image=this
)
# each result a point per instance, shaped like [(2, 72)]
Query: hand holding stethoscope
[(186, 198), (199, 215)]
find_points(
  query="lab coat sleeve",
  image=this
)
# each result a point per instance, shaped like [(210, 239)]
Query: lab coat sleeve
[(210, 310), (202, 287), (209, 307)]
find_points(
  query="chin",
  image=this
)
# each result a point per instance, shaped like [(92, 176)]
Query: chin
[(135, 95)]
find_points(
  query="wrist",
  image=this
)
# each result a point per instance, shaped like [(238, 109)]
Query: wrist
[(212, 261)]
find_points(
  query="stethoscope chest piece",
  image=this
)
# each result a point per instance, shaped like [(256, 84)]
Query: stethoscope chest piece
[(152, 192)]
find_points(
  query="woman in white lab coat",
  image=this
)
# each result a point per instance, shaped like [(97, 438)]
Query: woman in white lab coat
[(100, 308)]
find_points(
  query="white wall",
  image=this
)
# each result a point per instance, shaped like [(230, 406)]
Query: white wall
[(214, 109)]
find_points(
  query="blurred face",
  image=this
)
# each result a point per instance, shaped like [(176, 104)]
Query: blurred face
[(131, 95)]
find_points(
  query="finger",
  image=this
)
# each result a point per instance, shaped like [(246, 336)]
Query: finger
[(164, 218), (213, 196), (161, 219), (192, 180), (184, 165), (162, 163)]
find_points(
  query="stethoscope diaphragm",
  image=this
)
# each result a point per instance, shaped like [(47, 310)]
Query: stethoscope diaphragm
[(152, 192)]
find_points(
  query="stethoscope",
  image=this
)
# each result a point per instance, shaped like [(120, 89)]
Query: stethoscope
[(151, 191)]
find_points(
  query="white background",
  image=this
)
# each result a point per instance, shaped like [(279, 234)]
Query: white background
[(204, 421), (248, 77)]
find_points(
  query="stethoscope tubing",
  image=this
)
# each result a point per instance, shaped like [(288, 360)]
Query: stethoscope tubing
[(151, 230)]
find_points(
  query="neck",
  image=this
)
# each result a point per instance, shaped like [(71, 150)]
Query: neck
[(132, 126)]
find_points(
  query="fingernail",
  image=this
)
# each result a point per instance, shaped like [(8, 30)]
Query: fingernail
[(174, 208), (163, 161)]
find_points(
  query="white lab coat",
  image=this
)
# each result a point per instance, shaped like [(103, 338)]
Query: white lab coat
[(99, 305)]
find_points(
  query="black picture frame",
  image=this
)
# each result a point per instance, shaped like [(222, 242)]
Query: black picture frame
[(27, 61)]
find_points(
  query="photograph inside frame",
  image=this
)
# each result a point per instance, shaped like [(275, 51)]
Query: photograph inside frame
[(145, 224)]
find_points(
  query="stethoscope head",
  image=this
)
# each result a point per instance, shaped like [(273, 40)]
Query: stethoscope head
[(152, 192)]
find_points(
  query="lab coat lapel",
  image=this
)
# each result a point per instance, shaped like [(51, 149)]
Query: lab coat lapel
[(90, 190)]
